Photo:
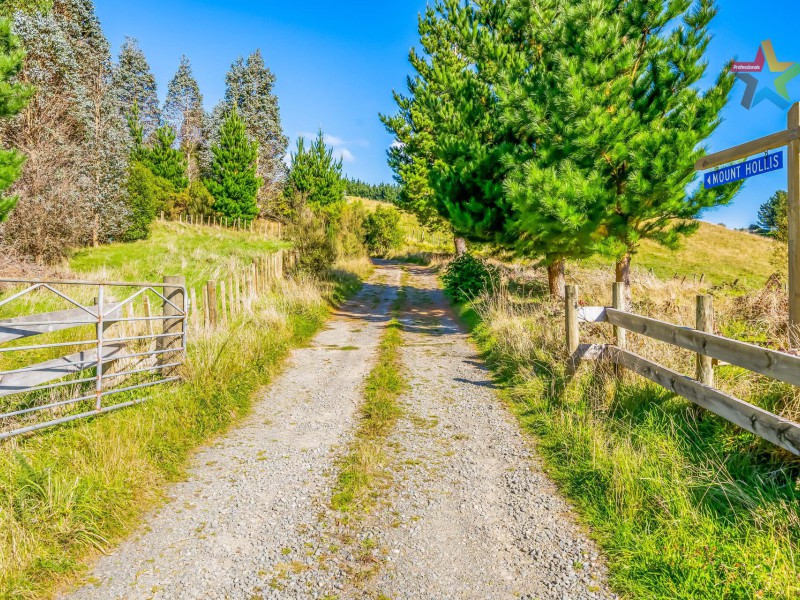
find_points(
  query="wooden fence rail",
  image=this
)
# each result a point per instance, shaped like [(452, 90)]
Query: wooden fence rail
[(707, 346)]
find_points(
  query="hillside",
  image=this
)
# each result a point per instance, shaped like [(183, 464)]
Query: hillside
[(723, 255)]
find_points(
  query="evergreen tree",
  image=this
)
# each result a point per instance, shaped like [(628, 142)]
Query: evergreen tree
[(13, 98), (136, 86), (183, 110), (772, 213), (250, 90), (164, 160), (315, 177), (9, 7), (233, 180), (614, 105), (452, 144)]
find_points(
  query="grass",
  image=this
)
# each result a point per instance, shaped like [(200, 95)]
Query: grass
[(364, 466), (684, 504), (723, 255), (73, 491)]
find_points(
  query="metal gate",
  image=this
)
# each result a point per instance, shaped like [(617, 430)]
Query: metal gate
[(116, 348)]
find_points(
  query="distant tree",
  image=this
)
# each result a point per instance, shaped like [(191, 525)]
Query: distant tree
[(250, 90), (136, 86), (772, 213), (13, 98), (384, 192), (233, 180), (164, 160), (183, 110), (315, 176)]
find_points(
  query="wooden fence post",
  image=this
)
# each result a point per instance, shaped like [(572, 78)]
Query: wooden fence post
[(223, 300), (176, 296), (620, 304), (793, 202), (705, 323), (205, 305), (571, 315), (212, 302)]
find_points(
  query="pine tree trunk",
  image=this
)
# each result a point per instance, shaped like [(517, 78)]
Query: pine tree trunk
[(555, 279), (461, 246), (624, 273)]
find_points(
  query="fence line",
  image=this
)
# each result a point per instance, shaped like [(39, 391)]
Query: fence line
[(263, 226), (706, 345)]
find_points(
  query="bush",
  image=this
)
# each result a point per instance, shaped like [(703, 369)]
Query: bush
[(382, 230), (467, 277), (348, 230), (201, 202), (309, 236)]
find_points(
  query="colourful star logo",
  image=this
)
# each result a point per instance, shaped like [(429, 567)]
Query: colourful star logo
[(752, 94)]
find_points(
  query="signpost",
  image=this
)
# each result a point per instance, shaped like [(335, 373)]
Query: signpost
[(791, 139), (743, 170)]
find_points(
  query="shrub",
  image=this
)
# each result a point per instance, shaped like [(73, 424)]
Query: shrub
[(309, 235), (382, 230), (348, 231), (201, 202), (147, 195), (467, 276)]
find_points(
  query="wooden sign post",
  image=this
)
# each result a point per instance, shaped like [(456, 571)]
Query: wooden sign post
[(791, 139)]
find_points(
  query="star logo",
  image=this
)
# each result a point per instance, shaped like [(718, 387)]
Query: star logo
[(753, 95)]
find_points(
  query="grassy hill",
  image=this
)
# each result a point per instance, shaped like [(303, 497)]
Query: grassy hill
[(723, 255)]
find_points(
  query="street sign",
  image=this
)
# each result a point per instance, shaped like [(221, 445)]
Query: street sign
[(743, 170)]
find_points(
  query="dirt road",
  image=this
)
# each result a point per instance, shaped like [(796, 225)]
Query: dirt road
[(468, 512)]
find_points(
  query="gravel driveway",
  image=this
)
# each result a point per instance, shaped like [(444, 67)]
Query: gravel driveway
[(467, 514)]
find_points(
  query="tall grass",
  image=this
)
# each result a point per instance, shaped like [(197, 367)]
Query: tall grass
[(71, 492), (684, 504)]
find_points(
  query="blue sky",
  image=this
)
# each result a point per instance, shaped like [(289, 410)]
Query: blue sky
[(337, 63)]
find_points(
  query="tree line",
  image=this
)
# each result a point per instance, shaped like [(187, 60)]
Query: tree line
[(384, 192), (558, 129), (96, 156)]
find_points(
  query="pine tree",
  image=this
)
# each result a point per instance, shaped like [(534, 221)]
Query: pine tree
[(452, 145), (183, 110), (250, 90), (164, 160), (13, 98), (772, 212), (315, 176), (136, 86), (9, 7), (614, 104), (233, 181)]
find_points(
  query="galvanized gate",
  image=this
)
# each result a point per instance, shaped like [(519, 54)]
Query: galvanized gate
[(117, 348)]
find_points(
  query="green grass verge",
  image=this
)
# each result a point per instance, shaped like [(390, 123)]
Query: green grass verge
[(73, 491), (683, 504), (363, 467)]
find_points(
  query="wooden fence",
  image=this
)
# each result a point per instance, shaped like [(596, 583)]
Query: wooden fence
[(220, 300), (263, 226), (706, 345)]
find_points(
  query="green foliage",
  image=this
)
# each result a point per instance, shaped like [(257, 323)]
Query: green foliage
[(383, 192), (146, 196), (613, 106), (163, 159), (310, 237), (201, 202), (183, 111), (136, 88), (315, 177), (773, 215), (13, 98), (250, 91), (347, 231), (233, 180), (9, 7), (382, 231), (467, 277)]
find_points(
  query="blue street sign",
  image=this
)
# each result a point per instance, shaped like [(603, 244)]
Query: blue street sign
[(750, 168)]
